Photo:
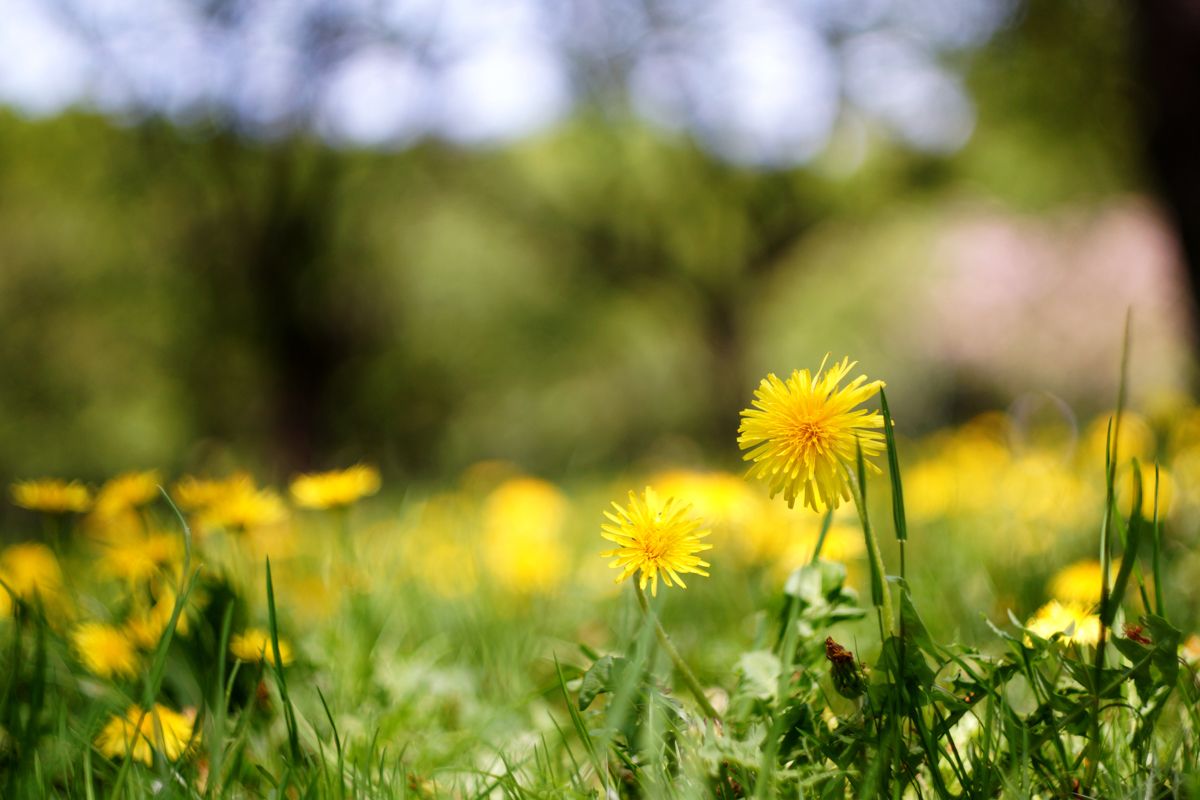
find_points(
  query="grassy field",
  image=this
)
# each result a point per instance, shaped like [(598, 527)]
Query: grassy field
[(1012, 618)]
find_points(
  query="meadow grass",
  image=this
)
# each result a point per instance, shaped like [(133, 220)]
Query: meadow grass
[(450, 645)]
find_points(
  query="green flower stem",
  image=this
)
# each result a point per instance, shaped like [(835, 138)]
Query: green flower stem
[(877, 559), (684, 670)]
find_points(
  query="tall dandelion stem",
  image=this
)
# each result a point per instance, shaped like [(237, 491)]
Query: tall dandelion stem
[(689, 678)]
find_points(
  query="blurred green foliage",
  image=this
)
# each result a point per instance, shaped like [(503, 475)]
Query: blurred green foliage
[(600, 292)]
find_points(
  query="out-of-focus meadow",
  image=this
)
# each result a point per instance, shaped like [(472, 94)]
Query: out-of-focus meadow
[(519, 262)]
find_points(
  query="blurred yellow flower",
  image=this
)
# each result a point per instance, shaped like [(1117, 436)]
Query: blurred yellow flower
[(274, 541), (1074, 620), (147, 625), (245, 507), (105, 651), (118, 525), (52, 495), (801, 434), (655, 538), (721, 499), (522, 528), (962, 471), (137, 560), (254, 646), (30, 568), (135, 734), (335, 489), (1135, 438), (1126, 483), (843, 543), (1042, 495), (127, 491), (196, 494), (1077, 583)]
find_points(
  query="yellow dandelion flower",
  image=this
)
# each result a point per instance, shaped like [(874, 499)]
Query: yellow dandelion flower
[(135, 734), (120, 525), (127, 491), (106, 651), (136, 561), (254, 645), (1074, 620), (245, 507), (721, 499), (335, 489), (1077, 583), (656, 538), (1135, 438), (52, 496), (1126, 485), (843, 544), (196, 494), (146, 626), (522, 527), (30, 568), (801, 433)]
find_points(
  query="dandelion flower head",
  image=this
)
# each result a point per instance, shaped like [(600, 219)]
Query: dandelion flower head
[(106, 651), (1073, 620), (137, 560), (31, 568), (128, 491), (254, 645), (803, 432), (52, 496), (1077, 583), (523, 520), (335, 489), (244, 508), (135, 734), (146, 625), (655, 538), (199, 494)]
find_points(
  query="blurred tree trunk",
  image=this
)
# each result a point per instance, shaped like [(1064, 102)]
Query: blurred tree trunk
[(288, 256), (1167, 48), (262, 247)]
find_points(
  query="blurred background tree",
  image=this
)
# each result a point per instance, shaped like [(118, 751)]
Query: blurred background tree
[(572, 235)]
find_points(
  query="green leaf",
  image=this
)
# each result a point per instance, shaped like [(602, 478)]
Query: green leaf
[(600, 678), (914, 629), (758, 672)]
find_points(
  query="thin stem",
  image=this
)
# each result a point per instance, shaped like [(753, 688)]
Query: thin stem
[(684, 670)]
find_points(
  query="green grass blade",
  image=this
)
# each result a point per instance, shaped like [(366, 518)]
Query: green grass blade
[(1156, 553), (889, 432), (289, 712), (1108, 612)]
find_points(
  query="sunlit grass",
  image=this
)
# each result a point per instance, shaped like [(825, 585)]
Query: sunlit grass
[(469, 640)]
